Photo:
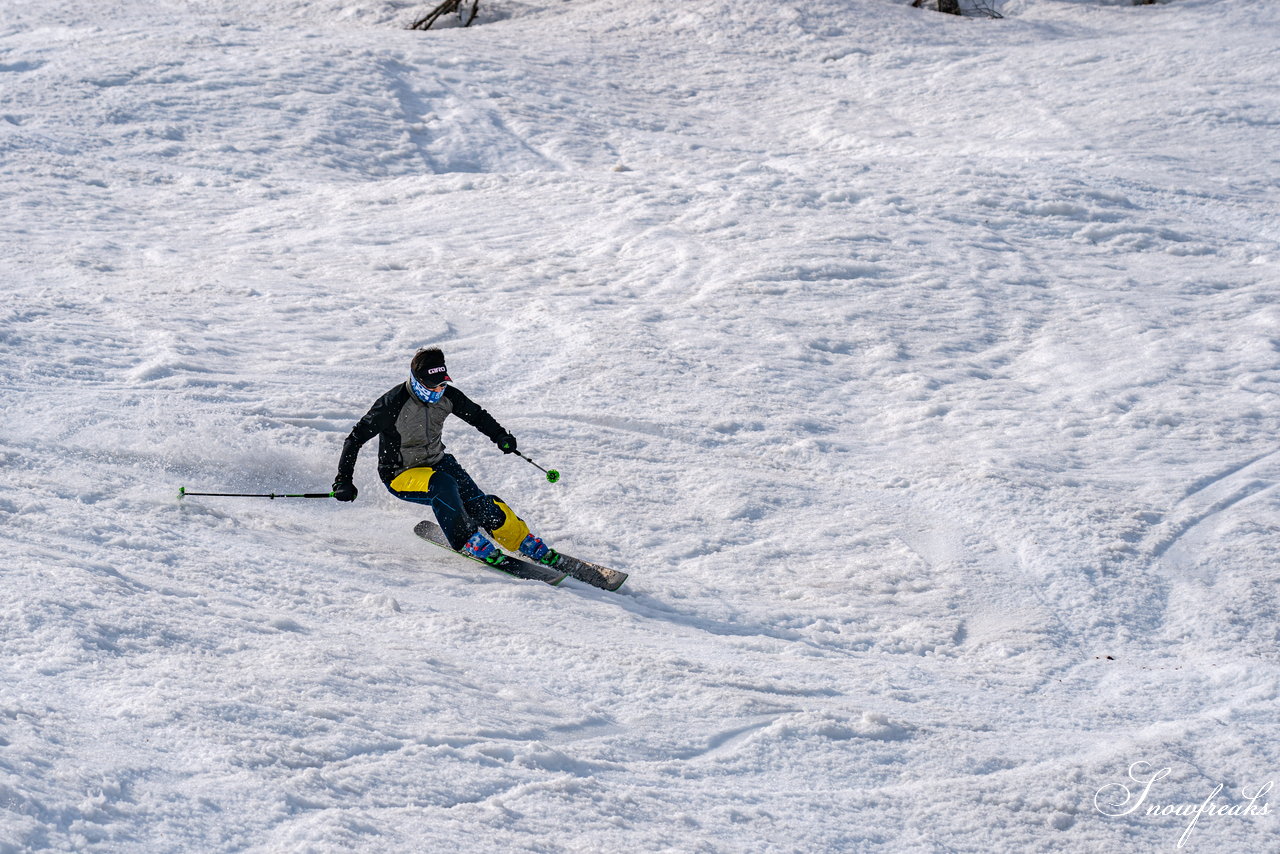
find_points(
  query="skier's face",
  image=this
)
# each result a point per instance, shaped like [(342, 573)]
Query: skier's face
[(426, 393)]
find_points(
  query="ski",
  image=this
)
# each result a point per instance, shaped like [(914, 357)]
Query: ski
[(512, 566), (591, 573), (584, 571)]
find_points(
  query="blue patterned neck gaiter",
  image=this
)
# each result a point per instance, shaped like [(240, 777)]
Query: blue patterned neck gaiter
[(423, 393)]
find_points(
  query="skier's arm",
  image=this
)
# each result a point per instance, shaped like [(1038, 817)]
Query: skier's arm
[(379, 417), (471, 412)]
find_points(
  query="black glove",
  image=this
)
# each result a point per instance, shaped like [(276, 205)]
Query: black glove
[(344, 489), (507, 444)]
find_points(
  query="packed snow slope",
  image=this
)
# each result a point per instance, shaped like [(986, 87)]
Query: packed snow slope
[(922, 371)]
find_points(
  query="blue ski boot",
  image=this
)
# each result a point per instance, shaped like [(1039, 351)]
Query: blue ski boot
[(481, 549), (538, 551)]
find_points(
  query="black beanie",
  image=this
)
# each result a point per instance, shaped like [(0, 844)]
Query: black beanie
[(428, 367)]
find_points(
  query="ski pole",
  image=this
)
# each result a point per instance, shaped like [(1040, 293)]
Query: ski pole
[(552, 474), (182, 493)]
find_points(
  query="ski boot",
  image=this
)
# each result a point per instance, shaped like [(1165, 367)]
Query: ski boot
[(538, 551), (481, 549)]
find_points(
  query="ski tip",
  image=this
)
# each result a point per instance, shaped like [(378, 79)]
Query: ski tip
[(615, 580)]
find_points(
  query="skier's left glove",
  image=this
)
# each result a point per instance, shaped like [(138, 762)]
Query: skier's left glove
[(507, 444)]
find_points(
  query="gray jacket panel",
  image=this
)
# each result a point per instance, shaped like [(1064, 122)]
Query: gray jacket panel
[(421, 427)]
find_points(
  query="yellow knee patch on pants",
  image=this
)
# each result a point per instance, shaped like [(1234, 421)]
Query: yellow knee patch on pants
[(413, 480), (511, 533)]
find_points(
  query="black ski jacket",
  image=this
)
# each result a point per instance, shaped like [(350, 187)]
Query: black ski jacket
[(408, 430)]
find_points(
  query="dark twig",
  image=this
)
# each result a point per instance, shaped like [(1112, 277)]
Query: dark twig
[(956, 7), (466, 11)]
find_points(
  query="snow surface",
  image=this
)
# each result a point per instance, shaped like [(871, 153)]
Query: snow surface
[(922, 371)]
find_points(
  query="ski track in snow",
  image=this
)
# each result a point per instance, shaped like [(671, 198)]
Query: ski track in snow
[(921, 371)]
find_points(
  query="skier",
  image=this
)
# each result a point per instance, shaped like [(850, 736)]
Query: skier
[(412, 463)]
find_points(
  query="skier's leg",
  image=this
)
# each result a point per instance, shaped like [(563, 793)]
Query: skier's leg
[(493, 514), (425, 485), (512, 532), (494, 517), (501, 521)]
